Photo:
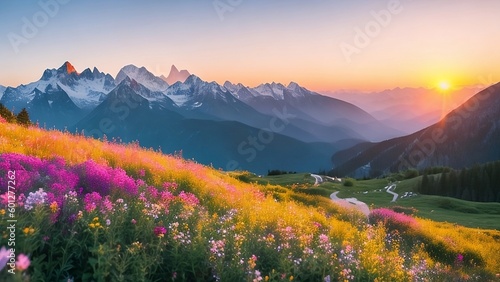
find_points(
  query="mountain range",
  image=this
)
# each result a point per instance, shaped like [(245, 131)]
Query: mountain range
[(468, 135), (231, 126), (409, 109), (276, 126)]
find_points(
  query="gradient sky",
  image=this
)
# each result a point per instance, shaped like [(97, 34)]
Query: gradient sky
[(257, 41)]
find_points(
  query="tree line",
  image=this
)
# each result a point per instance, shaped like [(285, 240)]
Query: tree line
[(480, 183), (22, 117)]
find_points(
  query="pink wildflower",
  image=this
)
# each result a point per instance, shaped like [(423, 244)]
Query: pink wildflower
[(189, 198), (323, 239), (106, 205), (23, 262), (170, 186)]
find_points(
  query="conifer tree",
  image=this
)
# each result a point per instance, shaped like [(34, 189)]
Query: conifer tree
[(23, 117), (7, 114)]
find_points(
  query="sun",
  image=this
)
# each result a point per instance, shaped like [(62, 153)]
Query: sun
[(444, 85)]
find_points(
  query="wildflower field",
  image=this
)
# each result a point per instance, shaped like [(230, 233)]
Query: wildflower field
[(86, 210)]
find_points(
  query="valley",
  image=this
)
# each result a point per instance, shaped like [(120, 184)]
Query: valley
[(374, 194)]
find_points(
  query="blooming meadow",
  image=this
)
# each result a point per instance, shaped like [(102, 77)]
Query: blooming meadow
[(99, 211)]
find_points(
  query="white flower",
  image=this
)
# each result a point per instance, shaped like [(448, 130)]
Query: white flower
[(35, 198)]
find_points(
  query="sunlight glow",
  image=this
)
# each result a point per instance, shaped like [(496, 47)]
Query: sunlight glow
[(444, 85)]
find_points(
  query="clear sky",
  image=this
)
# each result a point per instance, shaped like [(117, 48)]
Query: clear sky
[(324, 45)]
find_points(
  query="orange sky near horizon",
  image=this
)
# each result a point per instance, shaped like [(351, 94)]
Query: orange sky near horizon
[(322, 45)]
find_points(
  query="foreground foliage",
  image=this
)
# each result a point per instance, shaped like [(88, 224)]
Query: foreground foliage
[(98, 211)]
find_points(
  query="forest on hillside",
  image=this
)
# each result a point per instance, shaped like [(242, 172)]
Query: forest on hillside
[(479, 183)]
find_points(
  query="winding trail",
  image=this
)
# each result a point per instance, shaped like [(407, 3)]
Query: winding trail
[(317, 179), (351, 203), (388, 190)]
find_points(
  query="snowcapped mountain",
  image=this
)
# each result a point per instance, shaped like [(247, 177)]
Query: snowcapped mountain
[(324, 117), (86, 89), (53, 108), (2, 89), (280, 92), (143, 76), (176, 75), (190, 92), (240, 91), (14, 99), (156, 100), (196, 98)]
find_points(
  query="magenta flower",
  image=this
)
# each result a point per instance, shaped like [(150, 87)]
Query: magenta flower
[(120, 180), (460, 259), (94, 177), (4, 198), (91, 201), (133, 221), (153, 192), (392, 219), (140, 183), (160, 231)]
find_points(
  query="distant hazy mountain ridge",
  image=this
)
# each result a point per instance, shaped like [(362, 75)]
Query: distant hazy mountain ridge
[(468, 135)]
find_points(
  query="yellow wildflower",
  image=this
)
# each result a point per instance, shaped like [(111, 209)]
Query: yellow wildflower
[(28, 230), (91, 225), (2, 212), (54, 207)]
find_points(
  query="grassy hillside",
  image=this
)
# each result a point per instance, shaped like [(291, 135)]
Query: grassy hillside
[(99, 211), (444, 209)]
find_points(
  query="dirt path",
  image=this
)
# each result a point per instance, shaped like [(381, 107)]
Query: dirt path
[(351, 203), (317, 179), (388, 190)]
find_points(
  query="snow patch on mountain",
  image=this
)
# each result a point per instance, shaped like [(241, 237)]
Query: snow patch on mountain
[(277, 91), (274, 90), (143, 76), (86, 89)]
